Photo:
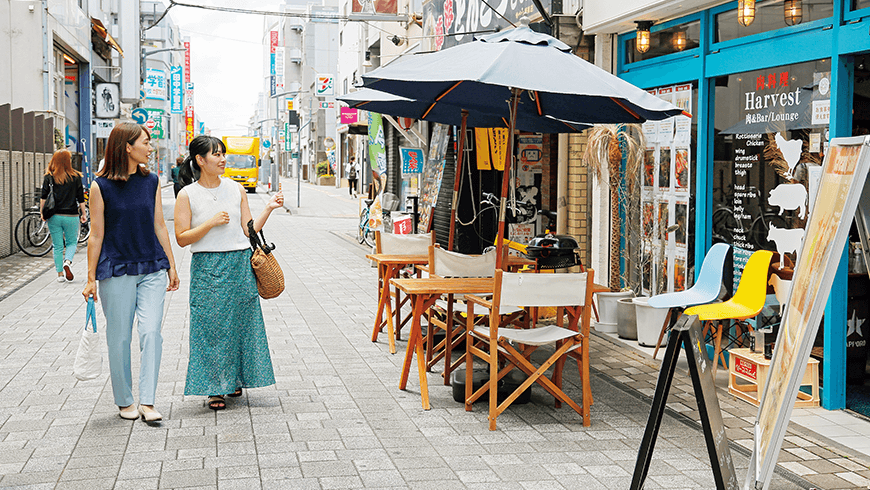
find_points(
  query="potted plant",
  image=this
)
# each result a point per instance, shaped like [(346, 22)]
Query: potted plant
[(615, 155), (323, 175)]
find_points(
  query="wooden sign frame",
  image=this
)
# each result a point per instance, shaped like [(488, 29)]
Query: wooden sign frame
[(844, 173)]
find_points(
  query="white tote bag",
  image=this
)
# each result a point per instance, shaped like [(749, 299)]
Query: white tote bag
[(89, 359)]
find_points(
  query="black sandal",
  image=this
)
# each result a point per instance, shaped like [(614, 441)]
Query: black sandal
[(216, 402), (236, 393)]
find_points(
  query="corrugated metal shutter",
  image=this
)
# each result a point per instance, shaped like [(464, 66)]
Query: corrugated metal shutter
[(394, 168)]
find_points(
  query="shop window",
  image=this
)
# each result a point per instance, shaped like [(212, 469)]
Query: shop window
[(770, 125), (860, 4), (769, 16), (666, 41)]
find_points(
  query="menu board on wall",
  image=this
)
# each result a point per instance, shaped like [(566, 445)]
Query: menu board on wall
[(844, 173), (665, 180)]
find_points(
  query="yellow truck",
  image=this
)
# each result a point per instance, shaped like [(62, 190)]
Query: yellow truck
[(243, 162)]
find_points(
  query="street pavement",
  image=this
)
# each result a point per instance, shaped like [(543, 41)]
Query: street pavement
[(335, 417)]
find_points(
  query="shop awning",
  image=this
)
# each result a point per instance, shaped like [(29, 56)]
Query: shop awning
[(103, 34)]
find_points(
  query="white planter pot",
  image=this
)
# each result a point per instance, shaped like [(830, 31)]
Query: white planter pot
[(626, 314), (649, 322), (607, 310)]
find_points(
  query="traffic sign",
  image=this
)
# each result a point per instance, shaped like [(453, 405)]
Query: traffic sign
[(140, 115), (150, 124), (267, 143)]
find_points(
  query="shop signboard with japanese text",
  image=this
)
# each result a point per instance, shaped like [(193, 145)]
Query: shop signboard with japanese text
[(155, 84), (176, 89), (453, 22), (155, 123)]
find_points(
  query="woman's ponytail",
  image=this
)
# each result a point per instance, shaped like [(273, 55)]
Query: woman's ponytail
[(188, 173)]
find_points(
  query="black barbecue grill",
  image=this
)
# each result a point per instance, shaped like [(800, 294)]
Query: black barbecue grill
[(554, 251)]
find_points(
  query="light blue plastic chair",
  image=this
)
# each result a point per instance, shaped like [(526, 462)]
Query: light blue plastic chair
[(705, 290)]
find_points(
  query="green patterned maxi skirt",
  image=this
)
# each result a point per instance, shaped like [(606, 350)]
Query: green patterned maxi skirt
[(228, 346)]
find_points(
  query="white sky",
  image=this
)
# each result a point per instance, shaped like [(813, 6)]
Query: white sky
[(226, 61)]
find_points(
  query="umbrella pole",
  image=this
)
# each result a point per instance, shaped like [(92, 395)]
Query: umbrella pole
[(457, 179), (508, 164)]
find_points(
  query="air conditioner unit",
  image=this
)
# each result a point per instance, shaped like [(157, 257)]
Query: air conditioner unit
[(295, 55)]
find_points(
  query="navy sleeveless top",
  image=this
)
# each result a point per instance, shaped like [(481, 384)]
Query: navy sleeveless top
[(130, 245)]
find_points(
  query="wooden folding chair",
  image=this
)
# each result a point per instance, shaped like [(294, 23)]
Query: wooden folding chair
[(393, 244), (569, 293), (449, 315)]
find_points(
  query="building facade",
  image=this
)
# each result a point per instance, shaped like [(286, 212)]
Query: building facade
[(768, 88)]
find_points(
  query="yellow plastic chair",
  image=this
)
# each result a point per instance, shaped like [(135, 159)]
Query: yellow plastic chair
[(746, 303)]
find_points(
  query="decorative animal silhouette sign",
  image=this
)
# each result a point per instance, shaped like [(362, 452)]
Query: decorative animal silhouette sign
[(789, 197), (791, 151)]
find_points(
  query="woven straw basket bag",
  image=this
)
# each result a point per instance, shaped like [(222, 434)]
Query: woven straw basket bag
[(270, 277)]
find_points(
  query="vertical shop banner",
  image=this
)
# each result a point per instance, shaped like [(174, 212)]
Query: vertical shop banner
[(433, 172), (844, 173), (412, 160), (188, 113), (187, 62), (279, 69), (176, 89), (155, 84), (481, 142), (273, 45), (378, 160)]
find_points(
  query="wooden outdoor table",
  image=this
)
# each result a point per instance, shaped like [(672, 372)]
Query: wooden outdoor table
[(423, 292), (389, 266), (514, 263)]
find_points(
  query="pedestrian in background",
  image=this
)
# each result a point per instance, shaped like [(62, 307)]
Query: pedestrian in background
[(228, 346), (351, 177), (69, 210), (130, 254), (176, 183)]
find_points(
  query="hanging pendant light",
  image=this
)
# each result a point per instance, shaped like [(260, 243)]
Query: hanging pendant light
[(679, 40), (745, 12), (792, 11), (642, 41)]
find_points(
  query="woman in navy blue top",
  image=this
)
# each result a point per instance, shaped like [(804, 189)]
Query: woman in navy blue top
[(130, 254)]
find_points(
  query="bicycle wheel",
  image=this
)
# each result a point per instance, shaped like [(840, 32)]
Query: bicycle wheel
[(85, 228), (363, 225), (31, 235)]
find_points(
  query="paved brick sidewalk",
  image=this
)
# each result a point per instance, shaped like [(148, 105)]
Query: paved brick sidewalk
[(335, 418)]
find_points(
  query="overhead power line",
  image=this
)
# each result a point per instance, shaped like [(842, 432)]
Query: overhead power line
[(300, 15)]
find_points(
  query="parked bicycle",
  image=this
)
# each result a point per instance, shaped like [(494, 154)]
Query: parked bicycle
[(366, 235), (31, 232)]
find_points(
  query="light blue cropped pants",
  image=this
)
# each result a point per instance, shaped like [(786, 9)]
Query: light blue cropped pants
[(124, 298)]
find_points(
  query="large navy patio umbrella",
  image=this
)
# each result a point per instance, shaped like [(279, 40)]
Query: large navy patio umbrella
[(395, 105), (519, 71)]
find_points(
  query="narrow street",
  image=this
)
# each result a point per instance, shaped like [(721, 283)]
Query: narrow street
[(335, 418)]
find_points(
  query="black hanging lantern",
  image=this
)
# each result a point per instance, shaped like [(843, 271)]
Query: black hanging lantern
[(642, 40), (745, 12), (792, 11)]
